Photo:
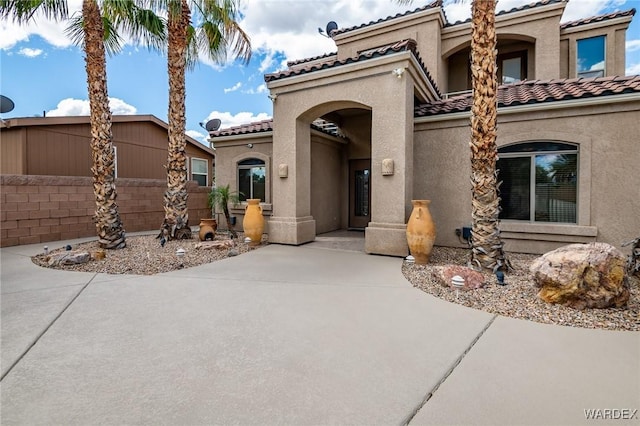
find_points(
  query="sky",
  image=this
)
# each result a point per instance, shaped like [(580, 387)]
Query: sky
[(43, 72)]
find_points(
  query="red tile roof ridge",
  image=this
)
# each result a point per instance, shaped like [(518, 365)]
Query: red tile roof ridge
[(314, 58), (597, 18), (437, 3), (514, 9)]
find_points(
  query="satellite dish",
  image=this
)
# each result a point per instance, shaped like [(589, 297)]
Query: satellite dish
[(213, 125), (331, 26), (6, 104)]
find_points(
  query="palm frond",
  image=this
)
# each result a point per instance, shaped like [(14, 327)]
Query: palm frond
[(24, 10)]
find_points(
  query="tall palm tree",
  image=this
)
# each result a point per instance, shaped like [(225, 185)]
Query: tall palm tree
[(215, 32), (97, 35), (486, 246), (88, 30)]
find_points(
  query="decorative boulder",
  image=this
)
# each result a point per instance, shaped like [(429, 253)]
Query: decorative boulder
[(472, 279), (582, 276)]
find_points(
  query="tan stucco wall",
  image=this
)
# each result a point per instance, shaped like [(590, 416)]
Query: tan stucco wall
[(607, 205), (329, 187)]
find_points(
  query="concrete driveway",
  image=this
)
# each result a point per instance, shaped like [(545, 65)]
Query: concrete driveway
[(290, 335)]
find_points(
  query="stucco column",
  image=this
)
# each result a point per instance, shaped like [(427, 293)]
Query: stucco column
[(391, 139), (291, 222)]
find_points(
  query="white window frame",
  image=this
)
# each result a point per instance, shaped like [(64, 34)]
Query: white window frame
[(249, 167), (115, 161), (579, 74), (191, 174)]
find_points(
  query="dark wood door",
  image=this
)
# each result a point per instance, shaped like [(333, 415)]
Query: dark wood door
[(359, 193)]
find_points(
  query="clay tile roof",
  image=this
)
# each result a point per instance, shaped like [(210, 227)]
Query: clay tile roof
[(515, 9), (255, 127), (315, 58), (399, 46), (437, 3), (532, 92), (600, 18)]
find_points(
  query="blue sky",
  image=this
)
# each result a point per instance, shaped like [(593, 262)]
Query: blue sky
[(42, 72)]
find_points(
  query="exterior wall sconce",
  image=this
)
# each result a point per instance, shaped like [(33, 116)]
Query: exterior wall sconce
[(249, 145), (283, 170), (273, 97), (398, 72), (387, 167)]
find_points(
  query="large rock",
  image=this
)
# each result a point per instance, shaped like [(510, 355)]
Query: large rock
[(582, 276), (472, 279)]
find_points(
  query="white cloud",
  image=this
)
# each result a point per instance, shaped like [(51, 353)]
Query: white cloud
[(234, 88), (29, 52), (258, 90), (230, 120), (74, 107), (199, 136), (632, 45), (634, 69)]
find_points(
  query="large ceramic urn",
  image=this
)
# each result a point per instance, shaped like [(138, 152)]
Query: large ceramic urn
[(207, 229), (253, 222), (421, 231)]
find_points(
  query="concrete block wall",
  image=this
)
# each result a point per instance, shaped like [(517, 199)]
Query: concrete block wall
[(37, 209)]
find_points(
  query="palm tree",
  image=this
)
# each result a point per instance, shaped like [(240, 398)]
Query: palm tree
[(216, 31), (486, 246), (94, 33), (220, 197)]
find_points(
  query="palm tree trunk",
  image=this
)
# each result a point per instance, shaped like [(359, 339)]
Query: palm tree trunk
[(487, 248), (176, 220), (109, 227), (227, 217)]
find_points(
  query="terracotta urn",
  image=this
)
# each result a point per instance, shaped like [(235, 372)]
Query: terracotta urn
[(421, 231), (253, 222), (208, 229)]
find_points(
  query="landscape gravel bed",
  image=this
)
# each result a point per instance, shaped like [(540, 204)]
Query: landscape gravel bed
[(145, 256), (518, 298)]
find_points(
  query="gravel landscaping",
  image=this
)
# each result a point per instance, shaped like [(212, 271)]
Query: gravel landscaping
[(518, 299)]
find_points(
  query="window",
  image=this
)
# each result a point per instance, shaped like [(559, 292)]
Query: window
[(199, 171), (539, 182), (591, 58), (512, 67), (252, 179)]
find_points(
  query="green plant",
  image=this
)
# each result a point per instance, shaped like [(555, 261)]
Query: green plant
[(220, 197)]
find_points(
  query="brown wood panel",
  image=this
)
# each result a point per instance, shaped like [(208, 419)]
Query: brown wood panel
[(11, 151)]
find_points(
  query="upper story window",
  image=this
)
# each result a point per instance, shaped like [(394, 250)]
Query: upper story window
[(512, 67), (252, 179), (200, 171), (591, 57), (539, 182)]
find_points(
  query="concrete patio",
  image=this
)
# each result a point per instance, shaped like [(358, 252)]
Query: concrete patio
[(303, 335)]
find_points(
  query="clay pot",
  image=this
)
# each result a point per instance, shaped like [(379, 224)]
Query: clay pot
[(421, 231), (253, 222), (208, 229)]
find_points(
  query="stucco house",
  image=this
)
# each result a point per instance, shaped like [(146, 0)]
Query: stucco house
[(397, 92)]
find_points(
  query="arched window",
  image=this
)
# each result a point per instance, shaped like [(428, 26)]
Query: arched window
[(539, 181), (252, 179)]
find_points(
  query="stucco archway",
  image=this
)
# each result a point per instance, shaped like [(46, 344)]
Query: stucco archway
[(377, 87)]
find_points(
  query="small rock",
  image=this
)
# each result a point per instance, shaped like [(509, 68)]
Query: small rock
[(233, 252), (472, 279), (582, 276)]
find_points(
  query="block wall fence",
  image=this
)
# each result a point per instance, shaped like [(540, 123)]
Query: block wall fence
[(37, 209)]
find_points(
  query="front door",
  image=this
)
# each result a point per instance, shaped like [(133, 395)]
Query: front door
[(359, 193)]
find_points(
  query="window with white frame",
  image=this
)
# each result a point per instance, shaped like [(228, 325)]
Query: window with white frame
[(252, 179), (539, 182), (200, 171), (591, 57)]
